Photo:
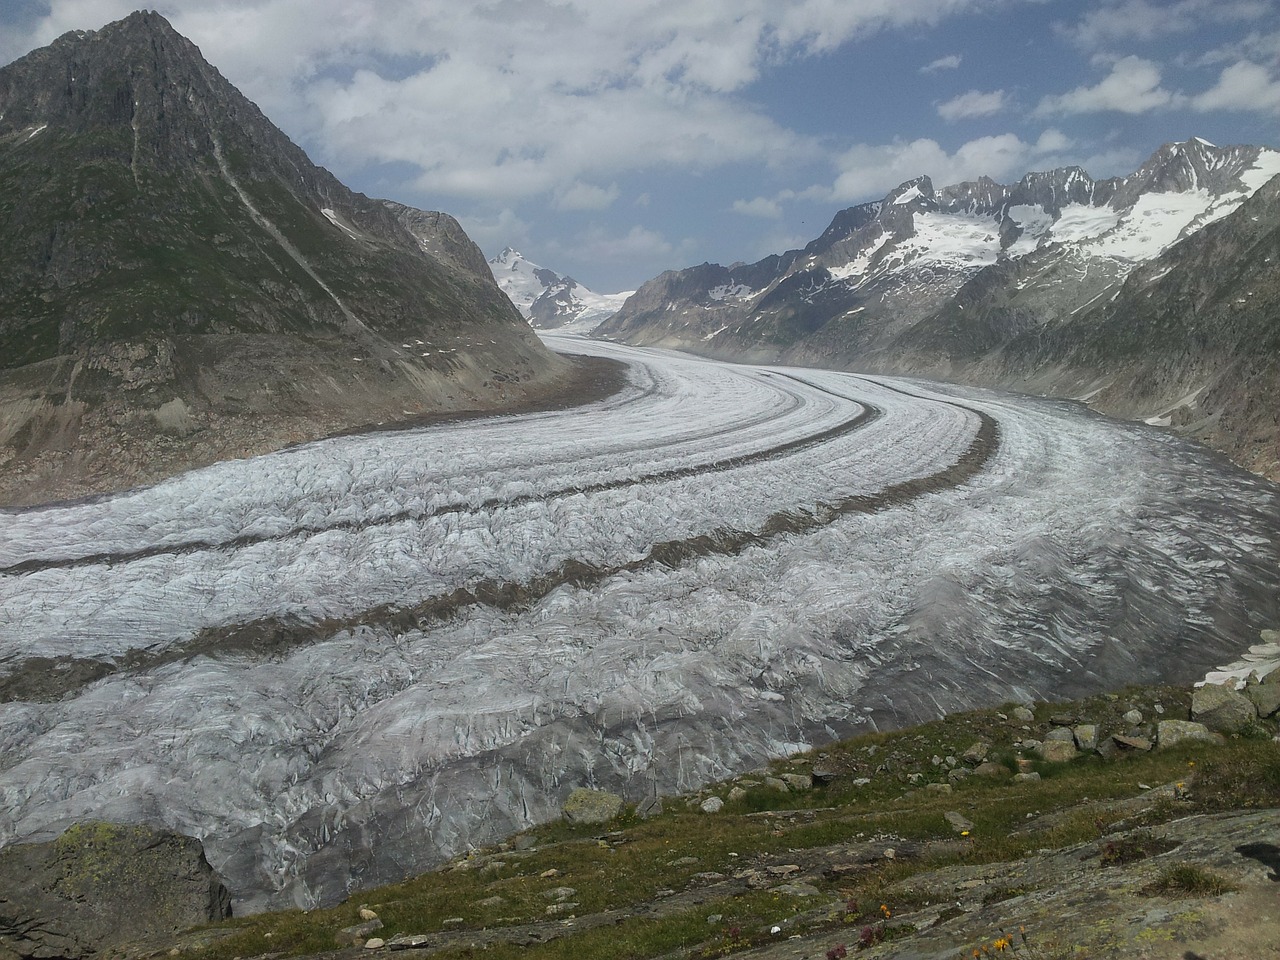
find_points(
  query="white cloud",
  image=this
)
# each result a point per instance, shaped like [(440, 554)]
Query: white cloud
[(869, 171), (949, 62), (1241, 86), (518, 98), (497, 231), (975, 103), (586, 196), (759, 207), (1255, 46), (1132, 86), (1113, 22), (637, 244)]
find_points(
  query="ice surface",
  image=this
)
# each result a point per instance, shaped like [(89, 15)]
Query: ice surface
[(1081, 221), (1083, 553)]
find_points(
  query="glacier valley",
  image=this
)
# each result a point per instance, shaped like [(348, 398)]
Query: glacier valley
[(344, 662)]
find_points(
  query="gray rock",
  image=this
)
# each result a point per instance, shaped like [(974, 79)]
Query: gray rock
[(1058, 751), (559, 894), (1222, 709), (1133, 717), (823, 775), (1272, 677), (1265, 698), (1170, 733), (101, 885), (1065, 734), (774, 783), (591, 806), (1023, 715), (560, 909), (959, 822), (799, 782), (989, 769), (649, 807), (737, 793), (1107, 749), (1086, 735), (711, 805), (938, 787), (374, 943), (1031, 777), (1131, 743), (977, 753)]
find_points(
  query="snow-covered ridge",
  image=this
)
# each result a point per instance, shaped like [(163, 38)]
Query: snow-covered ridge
[(1184, 187), (549, 300)]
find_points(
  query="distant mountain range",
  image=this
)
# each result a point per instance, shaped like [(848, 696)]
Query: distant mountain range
[(548, 300), (1150, 295), (179, 283)]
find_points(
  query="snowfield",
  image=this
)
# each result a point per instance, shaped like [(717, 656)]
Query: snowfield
[(341, 663)]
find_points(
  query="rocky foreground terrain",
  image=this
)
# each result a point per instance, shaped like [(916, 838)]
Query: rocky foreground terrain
[(1136, 824), (180, 285)]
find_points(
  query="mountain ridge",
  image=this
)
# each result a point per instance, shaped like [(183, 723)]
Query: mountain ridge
[(964, 282), (175, 273), (548, 300)]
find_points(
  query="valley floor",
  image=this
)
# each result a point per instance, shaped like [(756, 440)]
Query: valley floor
[(341, 663)]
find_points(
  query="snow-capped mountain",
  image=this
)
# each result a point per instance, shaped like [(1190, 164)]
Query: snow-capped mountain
[(549, 301), (882, 268), (1152, 295)]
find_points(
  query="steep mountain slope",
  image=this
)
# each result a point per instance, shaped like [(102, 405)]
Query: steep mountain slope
[(1049, 243), (548, 300), (1189, 341), (179, 283), (1040, 286)]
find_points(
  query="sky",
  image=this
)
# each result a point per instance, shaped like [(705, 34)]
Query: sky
[(614, 139)]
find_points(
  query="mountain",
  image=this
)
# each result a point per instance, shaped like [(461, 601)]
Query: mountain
[(548, 300), (1032, 286), (179, 283)]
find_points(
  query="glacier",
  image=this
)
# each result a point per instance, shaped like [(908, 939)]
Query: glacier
[(344, 662)]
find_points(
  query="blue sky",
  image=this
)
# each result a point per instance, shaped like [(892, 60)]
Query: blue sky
[(614, 139)]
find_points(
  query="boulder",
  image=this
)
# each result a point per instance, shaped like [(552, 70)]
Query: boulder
[(1131, 743), (102, 885), (1222, 708), (989, 769), (977, 753), (1058, 751), (1133, 717), (798, 782), (648, 807), (1023, 715), (591, 806), (1265, 698), (773, 783), (1170, 733), (711, 805), (1086, 736), (1064, 734)]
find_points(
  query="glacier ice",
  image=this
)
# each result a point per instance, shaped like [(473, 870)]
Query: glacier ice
[(1083, 552)]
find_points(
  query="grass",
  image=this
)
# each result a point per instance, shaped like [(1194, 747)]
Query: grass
[(642, 868), (1189, 880)]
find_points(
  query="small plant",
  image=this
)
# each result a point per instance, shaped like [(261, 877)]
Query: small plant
[(1188, 880), (1130, 849), (838, 952)]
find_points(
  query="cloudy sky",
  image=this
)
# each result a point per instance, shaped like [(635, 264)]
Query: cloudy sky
[(614, 139)]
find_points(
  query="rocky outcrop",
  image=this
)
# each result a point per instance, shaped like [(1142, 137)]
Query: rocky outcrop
[(103, 885)]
